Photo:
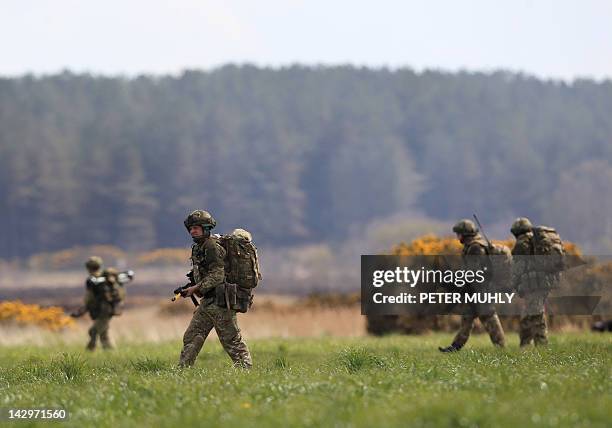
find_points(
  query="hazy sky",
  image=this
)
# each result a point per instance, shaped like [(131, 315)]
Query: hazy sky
[(548, 38)]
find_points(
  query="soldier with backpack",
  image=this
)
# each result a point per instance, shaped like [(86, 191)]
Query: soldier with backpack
[(216, 260), (538, 260), (104, 294), (475, 247)]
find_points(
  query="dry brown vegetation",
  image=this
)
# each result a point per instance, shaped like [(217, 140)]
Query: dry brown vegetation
[(154, 320)]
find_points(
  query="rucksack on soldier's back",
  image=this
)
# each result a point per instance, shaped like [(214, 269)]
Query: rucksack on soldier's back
[(241, 271), (502, 267), (241, 264), (547, 242)]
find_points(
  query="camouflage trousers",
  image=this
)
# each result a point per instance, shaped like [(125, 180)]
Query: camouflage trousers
[(532, 326), (225, 324), (99, 329), (489, 320)]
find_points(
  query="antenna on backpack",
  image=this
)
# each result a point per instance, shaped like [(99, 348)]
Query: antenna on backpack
[(482, 231)]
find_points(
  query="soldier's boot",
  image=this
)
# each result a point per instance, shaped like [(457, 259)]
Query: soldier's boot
[(190, 351), (540, 336), (91, 345), (493, 326), (244, 364), (454, 347), (462, 336)]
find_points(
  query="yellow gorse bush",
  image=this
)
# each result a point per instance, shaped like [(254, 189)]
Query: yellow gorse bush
[(428, 244), (432, 245), (52, 318)]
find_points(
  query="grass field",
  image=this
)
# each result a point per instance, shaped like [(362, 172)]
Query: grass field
[(363, 382)]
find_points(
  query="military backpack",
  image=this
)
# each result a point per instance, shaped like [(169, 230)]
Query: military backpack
[(241, 270), (547, 242), (501, 264)]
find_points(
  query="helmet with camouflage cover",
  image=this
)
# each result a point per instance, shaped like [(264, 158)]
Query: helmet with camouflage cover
[(94, 263), (465, 227), (521, 225), (200, 218)]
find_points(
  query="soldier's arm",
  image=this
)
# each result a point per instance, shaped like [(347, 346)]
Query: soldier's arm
[(520, 253), (521, 248), (476, 250), (476, 259), (214, 258)]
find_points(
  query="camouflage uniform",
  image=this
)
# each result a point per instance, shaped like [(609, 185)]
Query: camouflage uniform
[(207, 257), (530, 284), (474, 245), (100, 327), (98, 304)]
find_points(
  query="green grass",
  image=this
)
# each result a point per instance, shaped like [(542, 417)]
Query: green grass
[(366, 382)]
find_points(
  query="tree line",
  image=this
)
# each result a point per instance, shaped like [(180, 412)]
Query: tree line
[(296, 155)]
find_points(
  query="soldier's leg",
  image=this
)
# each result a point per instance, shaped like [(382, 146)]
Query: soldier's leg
[(493, 326), (465, 329), (102, 326), (525, 330), (226, 326), (540, 330), (536, 323), (93, 336), (525, 325), (194, 336)]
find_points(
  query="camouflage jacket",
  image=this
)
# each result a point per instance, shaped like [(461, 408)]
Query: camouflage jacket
[(474, 252), (525, 273), (523, 248), (208, 263), (474, 246), (523, 245), (98, 295)]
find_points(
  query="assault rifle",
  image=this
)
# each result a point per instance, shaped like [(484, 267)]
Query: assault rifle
[(178, 292)]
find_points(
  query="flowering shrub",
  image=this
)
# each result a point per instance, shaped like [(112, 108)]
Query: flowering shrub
[(431, 244), (52, 318)]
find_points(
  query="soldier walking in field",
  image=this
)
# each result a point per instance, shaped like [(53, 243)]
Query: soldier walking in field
[(103, 294), (538, 259), (474, 248), (208, 275)]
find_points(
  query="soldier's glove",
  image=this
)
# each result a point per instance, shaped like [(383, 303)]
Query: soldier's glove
[(452, 348)]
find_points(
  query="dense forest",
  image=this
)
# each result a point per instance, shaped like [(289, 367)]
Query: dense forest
[(297, 155)]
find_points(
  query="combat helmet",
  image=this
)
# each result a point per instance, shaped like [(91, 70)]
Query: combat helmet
[(465, 227), (520, 226), (200, 218), (94, 263)]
